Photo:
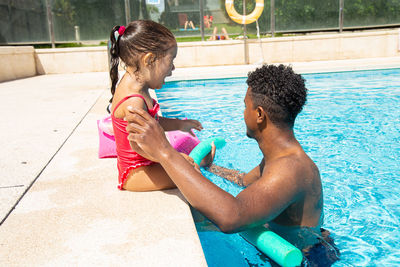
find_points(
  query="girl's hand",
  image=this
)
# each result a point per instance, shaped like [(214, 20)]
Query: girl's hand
[(188, 125)]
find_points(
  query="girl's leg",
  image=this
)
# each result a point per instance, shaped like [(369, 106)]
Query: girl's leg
[(148, 178), (151, 178)]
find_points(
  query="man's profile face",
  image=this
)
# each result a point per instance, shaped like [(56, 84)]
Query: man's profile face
[(249, 115)]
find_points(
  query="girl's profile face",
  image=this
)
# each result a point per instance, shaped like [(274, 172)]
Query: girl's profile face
[(163, 68)]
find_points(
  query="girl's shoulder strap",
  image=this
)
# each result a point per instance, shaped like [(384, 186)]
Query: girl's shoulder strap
[(127, 97)]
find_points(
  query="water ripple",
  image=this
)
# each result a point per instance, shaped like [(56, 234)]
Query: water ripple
[(349, 127)]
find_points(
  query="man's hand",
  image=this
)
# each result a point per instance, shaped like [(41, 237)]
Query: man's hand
[(147, 133), (209, 158)]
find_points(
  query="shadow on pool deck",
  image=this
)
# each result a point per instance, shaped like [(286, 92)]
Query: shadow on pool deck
[(74, 214)]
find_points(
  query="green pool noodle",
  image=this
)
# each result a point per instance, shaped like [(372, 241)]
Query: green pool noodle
[(204, 147), (274, 246)]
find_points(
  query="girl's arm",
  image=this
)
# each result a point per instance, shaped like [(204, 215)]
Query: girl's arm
[(171, 124)]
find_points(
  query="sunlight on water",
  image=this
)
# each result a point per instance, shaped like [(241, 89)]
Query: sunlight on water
[(349, 127)]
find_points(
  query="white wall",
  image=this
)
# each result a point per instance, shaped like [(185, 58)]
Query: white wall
[(18, 62)]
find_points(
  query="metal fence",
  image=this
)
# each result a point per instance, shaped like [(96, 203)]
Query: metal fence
[(63, 21)]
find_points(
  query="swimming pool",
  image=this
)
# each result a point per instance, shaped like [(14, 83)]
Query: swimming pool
[(349, 127)]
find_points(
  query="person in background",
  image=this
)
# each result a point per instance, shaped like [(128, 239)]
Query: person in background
[(190, 24), (215, 36), (208, 20)]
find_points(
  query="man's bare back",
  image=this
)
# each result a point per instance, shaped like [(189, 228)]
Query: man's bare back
[(296, 170)]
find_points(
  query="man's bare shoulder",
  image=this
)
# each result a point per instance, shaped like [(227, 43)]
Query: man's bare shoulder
[(293, 168)]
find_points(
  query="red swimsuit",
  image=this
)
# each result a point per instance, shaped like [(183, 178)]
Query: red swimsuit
[(127, 159)]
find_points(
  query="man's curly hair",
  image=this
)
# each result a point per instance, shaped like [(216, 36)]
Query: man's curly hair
[(280, 91)]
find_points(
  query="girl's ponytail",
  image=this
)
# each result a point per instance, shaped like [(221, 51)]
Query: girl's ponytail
[(114, 59)]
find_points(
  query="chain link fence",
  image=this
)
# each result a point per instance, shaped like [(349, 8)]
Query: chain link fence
[(90, 21)]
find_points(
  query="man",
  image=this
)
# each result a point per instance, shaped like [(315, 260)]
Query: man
[(283, 192)]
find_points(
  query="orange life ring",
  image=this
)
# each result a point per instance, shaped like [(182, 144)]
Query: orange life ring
[(236, 17)]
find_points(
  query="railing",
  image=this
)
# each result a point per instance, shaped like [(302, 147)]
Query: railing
[(90, 21)]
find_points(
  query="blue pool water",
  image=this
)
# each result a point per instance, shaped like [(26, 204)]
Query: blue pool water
[(349, 127)]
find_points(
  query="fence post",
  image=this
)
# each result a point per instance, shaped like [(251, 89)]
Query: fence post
[(246, 50), (77, 34), (201, 4), (398, 47), (127, 11), (272, 17), (341, 6), (50, 23)]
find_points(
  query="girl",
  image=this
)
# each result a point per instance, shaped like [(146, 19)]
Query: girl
[(148, 50)]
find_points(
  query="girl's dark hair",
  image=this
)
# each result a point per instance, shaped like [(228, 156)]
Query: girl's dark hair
[(140, 37)]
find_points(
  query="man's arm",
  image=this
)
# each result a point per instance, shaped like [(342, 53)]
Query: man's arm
[(240, 178), (260, 202)]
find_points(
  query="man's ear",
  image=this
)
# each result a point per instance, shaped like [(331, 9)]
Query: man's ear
[(261, 115), (148, 59)]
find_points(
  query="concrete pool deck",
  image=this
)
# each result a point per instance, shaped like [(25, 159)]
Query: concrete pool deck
[(68, 210)]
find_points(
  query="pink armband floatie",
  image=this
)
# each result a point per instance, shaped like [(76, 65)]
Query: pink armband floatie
[(182, 142)]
